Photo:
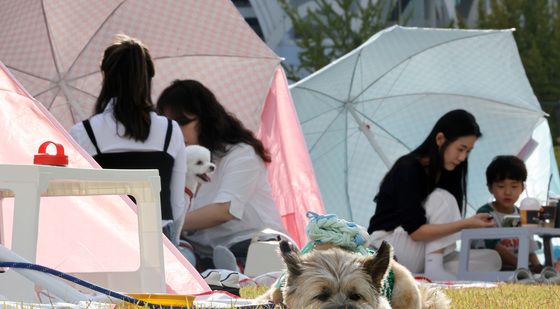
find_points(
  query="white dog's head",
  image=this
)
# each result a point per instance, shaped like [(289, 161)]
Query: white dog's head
[(199, 166)]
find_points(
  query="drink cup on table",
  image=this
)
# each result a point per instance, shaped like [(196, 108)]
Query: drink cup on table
[(529, 211), (548, 215)]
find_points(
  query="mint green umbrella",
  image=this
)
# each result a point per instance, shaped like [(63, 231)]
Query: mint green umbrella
[(378, 102)]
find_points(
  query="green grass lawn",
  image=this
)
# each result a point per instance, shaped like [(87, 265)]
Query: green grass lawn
[(503, 296), (506, 296)]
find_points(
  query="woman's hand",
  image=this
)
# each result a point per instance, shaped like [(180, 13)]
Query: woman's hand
[(480, 220)]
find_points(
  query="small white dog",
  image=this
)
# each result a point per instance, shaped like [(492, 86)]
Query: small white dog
[(199, 169)]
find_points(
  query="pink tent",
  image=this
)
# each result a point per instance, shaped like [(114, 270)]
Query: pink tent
[(290, 173), (76, 234)]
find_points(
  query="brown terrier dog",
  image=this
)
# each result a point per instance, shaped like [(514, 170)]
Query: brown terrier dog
[(330, 277)]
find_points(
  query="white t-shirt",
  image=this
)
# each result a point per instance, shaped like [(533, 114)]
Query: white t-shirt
[(241, 178), (105, 129)]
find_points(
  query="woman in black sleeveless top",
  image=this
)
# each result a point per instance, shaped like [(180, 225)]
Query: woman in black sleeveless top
[(126, 133)]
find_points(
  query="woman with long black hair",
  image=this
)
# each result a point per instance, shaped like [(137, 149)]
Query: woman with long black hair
[(421, 200), (237, 203)]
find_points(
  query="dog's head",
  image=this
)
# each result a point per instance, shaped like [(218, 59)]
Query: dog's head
[(199, 165), (335, 278)]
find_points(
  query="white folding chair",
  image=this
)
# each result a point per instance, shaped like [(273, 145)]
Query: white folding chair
[(263, 255)]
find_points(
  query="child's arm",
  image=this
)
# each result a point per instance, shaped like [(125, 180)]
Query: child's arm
[(489, 243), (534, 263), (508, 258)]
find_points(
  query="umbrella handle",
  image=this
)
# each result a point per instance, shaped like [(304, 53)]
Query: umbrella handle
[(369, 135)]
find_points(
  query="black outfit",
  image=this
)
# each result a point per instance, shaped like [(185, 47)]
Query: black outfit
[(160, 160), (400, 198)]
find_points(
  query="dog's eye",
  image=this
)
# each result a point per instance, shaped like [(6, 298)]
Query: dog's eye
[(324, 296), (354, 296), (199, 162)]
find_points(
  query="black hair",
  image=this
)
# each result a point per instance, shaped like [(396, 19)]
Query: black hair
[(128, 70), (218, 128), (505, 167), (454, 124)]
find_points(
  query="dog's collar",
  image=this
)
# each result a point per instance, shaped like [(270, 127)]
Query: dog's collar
[(189, 193)]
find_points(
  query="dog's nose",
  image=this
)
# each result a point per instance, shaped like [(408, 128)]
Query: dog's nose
[(211, 168)]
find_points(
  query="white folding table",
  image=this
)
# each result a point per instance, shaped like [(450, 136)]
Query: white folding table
[(525, 236), (27, 183)]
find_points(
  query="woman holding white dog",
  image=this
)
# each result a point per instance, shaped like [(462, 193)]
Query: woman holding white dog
[(237, 202), (125, 132), (421, 202)]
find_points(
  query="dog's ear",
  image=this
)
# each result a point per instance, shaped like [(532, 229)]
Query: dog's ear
[(291, 258), (286, 247), (377, 266)]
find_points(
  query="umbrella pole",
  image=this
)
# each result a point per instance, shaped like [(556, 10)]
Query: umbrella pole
[(369, 135), (71, 100)]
